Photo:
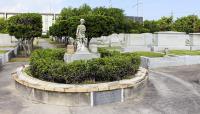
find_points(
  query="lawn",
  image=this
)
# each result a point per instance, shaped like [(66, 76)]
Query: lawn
[(3, 51), (149, 54), (55, 43), (115, 48), (184, 52)]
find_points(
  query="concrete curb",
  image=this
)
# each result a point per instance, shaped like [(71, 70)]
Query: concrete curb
[(151, 63), (80, 95)]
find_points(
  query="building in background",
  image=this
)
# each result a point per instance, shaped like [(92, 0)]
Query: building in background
[(136, 19), (47, 18)]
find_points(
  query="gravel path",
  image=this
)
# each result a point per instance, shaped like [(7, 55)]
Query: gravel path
[(173, 90)]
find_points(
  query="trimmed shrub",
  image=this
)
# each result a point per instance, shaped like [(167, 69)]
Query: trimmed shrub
[(104, 52), (49, 65), (107, 53)]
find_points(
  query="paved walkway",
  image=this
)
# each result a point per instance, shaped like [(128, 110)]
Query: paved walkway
[(173, 90), (45, 44)]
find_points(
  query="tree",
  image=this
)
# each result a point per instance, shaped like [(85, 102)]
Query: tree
[(25, 27), (60, 30), (188, 24), (165, 23), (84, 10), (96, 25), (3, 25), (70, 12), (117, 14), (152, 26)]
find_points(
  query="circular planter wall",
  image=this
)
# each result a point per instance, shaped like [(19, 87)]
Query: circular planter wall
[(80, 95)]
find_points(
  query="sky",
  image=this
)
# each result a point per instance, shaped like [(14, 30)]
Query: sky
[(149, 9)]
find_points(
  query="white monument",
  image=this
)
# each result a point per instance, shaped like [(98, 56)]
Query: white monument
[(171, 40), (82, 52), (195, 41), (138, 42)]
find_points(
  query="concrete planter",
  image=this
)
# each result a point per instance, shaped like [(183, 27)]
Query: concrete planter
[(80, 95), (151, 63)]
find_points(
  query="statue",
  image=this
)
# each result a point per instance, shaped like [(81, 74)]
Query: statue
[(82, 53), (81, 40)]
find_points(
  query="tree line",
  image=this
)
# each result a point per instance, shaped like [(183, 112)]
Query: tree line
[(105, 21), (100, 21), (188, 24)]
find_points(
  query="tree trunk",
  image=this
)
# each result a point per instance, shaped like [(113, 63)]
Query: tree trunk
[(24, 48), (29, 46)]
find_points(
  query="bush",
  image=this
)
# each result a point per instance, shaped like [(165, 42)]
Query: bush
[(107, 53), (49, 65)]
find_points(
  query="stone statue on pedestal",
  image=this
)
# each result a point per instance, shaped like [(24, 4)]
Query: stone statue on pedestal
[(81, 40), (82, 52)]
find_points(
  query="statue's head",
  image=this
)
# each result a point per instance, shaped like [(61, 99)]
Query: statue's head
[(82, 21)]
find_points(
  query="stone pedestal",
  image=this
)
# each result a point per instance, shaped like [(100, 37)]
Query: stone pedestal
[(80, 56)]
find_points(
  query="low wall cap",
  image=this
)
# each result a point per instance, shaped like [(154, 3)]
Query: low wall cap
[(170, 32)]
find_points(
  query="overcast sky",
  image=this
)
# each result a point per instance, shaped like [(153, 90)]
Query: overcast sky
[(150, 9)]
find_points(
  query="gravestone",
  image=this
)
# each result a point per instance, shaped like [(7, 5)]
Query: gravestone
[(115, 40), (138, 42), (171, 40), (195, 41)]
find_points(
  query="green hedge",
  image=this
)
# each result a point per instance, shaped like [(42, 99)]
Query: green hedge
[(49, 65), (105, 52)]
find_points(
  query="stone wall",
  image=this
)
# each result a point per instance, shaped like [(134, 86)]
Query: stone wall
[(10, 54), (159, 62), (80, 95)]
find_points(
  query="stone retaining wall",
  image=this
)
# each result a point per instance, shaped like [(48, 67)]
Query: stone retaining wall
[(80, 95), (151, 63), (10, 54)]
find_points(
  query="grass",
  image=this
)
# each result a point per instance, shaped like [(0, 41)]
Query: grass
[(116, 48), (20, 59), (3, 51), (56, 44), (7, 46), (149, 54), (184, 52)]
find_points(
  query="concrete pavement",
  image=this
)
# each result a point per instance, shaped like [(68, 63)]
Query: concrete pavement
[(173, 90), (44, 44)]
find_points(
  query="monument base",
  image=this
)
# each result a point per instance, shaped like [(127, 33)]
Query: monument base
[(80, 56)]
